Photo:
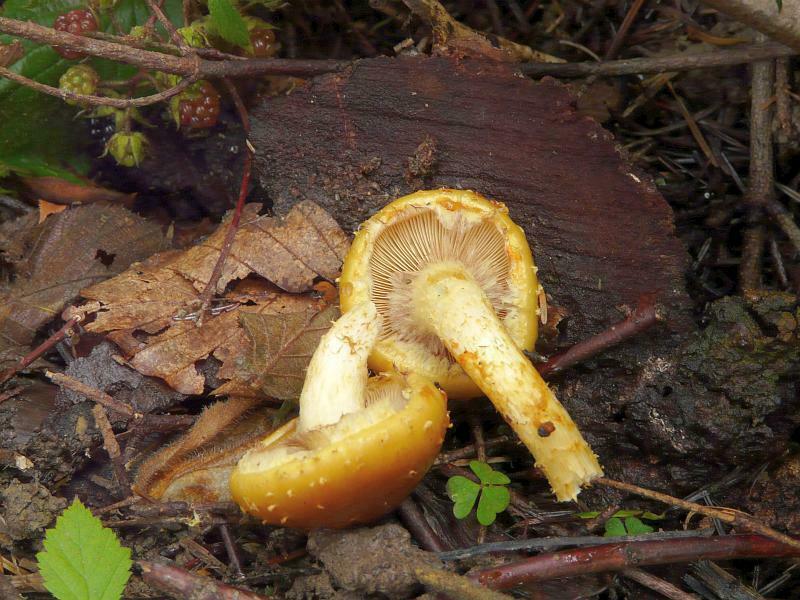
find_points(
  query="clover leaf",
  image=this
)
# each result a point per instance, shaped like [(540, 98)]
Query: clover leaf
[(494, 495)]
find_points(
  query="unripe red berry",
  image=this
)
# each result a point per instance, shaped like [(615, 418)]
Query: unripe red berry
[(79, 22), (198, 107)]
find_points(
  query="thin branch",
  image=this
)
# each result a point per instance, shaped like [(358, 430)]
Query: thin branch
[(91, 393), (678, 62), (733, 517), (617, 557), (779, 21), (183, 584), (112, 447), (59, 335), (413, 519), (665, 588), (644, 316), (97, 100), (188, 66)]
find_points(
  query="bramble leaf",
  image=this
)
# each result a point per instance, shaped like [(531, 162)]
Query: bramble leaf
[(82, 560), (463, 492), (494, 500), (228, 22)]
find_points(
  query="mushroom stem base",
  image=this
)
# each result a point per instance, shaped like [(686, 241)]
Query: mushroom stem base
[(449, 302)]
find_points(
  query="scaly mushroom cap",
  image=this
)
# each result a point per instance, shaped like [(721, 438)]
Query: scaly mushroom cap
[(351, 472), (431, 227)]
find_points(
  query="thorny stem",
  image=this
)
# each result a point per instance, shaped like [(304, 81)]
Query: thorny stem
[(40, 349), (619, 556), (189, 66), (97, 100), (644, 316), (727, 515), (230, 234)]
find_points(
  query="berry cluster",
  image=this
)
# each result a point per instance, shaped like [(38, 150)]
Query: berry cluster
[(199, 106), (79, 22)]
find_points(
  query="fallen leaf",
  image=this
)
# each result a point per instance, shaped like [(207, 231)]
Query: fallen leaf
[(172, 354), (281, 348), (48, 208), (53, 260), (291, 251), (139, 307), (61, 191)]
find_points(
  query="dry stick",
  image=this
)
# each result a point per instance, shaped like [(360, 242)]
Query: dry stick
[(760, 187), (40, 349), (91, 393), (112, 447), (622, 32), (97, 100), (183, 584), (188, 66), (694, 128), (644, 316), (8, 394), (617, 557), (455, 586), (469, 451), (784, 219), (413, 519), (779, 21), (733, 517), (230, 548), (679, 62), (665, 588)]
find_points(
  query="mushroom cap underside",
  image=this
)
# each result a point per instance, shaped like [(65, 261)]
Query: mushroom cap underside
[(432, 226), (351, 472)]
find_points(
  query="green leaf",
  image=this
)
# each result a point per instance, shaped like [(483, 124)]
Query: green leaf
[(228, 22), (487, 475), (634, 526), (494, 500), (82, 560), (463, 492), (780, 4), (615, 527)]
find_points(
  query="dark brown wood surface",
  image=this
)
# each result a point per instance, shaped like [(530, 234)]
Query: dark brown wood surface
[(352, 141)]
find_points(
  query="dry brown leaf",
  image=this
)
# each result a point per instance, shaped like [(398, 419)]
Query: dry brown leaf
[(281, 348), (61, 191), (140, 306), (290, 252), (55, 259), (48, 208)]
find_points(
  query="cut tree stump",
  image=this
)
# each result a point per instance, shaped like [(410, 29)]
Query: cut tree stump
[(602, 235)]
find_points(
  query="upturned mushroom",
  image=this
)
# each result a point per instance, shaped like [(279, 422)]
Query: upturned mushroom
[(455, 285), (359, 446)]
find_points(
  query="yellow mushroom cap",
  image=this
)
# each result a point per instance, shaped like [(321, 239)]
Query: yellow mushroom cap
[(353, 471), (437, 226)]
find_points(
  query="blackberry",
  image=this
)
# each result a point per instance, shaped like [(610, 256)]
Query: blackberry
[(78, 21)]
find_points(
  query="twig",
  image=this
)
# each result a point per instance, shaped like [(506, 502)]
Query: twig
[(617, 557), (97, 100), (678, 62), (779, 22), (167, 24), (622, 32), (112, 447), (91, 393), (553, 543), (760, 187), (8, 394), (230, 234), (40, 349), (230, 548), (665, 588), (644, 316), (183, 584), (784, 219), (188, 66), (469, 451), (413, 519), (733, 517)]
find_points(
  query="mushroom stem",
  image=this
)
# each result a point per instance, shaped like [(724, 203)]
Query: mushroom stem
[(449, 302), (336, 379)]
